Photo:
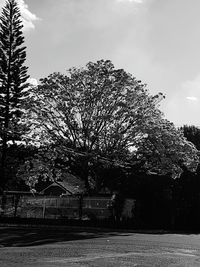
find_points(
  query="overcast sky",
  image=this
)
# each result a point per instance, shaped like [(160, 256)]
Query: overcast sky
[(158, 41)]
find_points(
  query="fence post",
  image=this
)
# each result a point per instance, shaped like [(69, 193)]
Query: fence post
[(16, 202), (44, 208), (3, 203), (80, 210)]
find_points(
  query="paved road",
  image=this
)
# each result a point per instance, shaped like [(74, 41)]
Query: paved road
[(53, 247)]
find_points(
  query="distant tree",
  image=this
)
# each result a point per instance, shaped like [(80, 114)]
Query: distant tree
[(102, 114), (187, 188), (166, 149), (13, 77), (192, 133)]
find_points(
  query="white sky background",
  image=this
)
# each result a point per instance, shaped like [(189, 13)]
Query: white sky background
[(158, 41)]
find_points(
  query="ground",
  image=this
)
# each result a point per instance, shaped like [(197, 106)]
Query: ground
[(57, 247)]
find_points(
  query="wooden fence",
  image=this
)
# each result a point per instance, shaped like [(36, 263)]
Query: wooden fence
[(71, 207)]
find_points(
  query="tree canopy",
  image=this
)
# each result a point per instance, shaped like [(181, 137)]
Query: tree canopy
[(192, 133), (100, 113)]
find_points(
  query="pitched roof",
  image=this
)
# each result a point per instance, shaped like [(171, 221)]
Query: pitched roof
[(69, 183)]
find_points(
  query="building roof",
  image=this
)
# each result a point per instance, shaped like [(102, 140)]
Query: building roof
[(69, 183)]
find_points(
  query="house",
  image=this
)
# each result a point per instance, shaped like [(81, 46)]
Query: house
[(68, 185)]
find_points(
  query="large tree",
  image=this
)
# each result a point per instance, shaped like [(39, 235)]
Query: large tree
[(102, 114), (13, 77)]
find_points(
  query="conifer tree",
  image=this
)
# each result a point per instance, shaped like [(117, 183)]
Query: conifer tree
[(13, 77)]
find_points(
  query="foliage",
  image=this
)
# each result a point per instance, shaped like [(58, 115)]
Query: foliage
[(93, 109), (15, 159), (192, 133), (43, 165), (12, 71), (167, 151), (13, 77), (99, 114)]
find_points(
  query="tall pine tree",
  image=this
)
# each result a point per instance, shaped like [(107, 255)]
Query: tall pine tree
[(13, 77)]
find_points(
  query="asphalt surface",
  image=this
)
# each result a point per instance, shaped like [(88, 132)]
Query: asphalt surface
[(69, 247)]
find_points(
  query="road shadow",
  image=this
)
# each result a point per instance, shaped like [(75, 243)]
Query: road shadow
[(20, 236), (25, 237)]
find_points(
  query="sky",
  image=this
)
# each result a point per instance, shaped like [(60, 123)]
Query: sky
[(157, 41)]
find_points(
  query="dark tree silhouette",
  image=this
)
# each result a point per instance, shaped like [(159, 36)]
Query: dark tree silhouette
[(192, 133), (13, 77)]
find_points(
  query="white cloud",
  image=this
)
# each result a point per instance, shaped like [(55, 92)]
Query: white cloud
[(28, 18), (134, 1), (183, 106), (192, 98), (192, 88)]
